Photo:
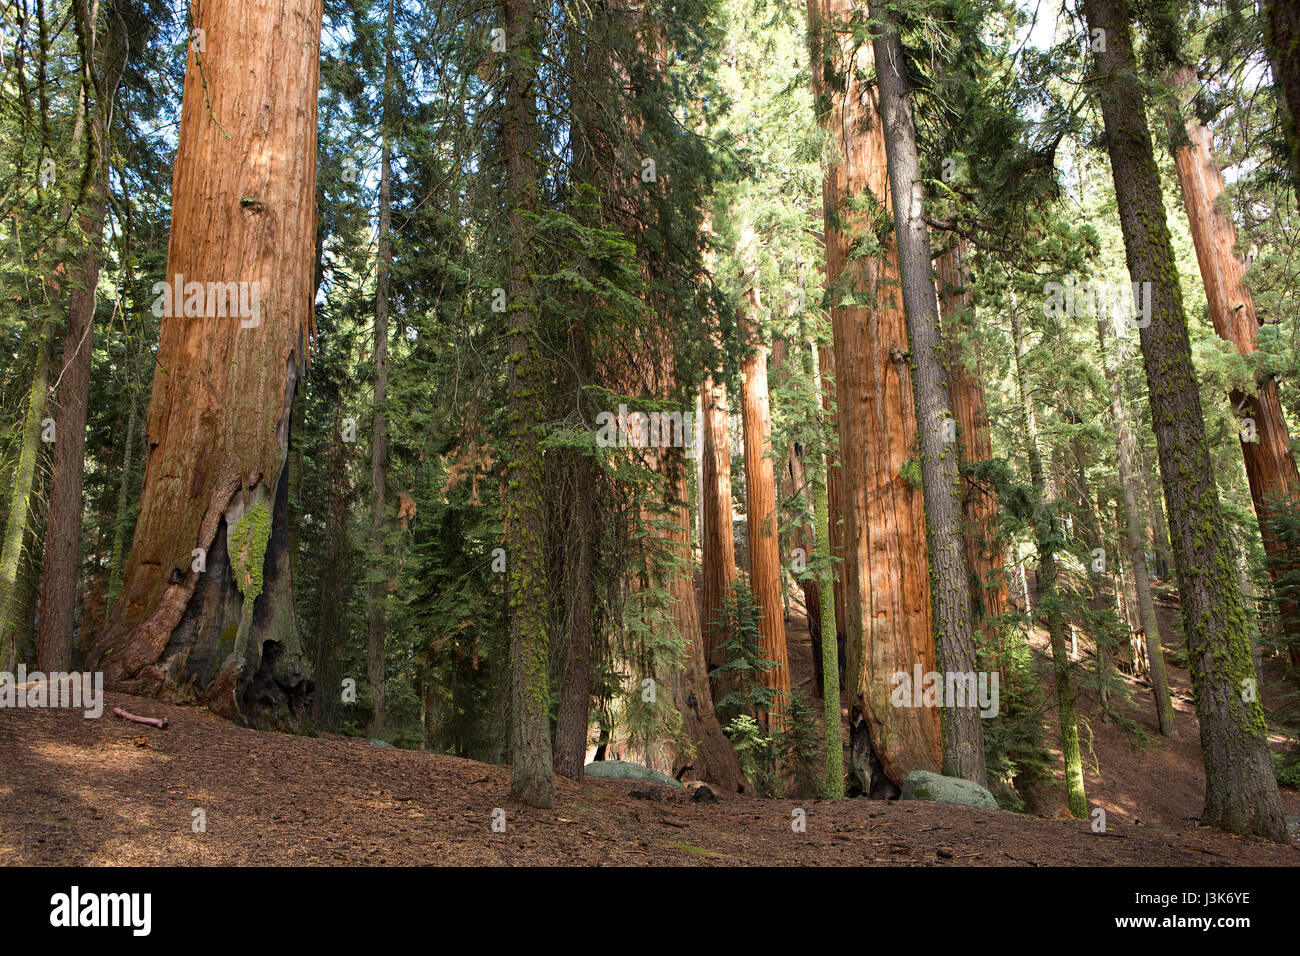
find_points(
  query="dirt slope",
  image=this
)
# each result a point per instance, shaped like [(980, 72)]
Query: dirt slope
[(77, 791)]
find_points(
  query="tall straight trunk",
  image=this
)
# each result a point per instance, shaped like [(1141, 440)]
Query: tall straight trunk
[(974, 440), (571, 719), (377, 596), (207, 598), (802, 536), (834, 509), (760, 509), (717, 534), (1282, 41), (823, 566), (531, 776), (717, 539), (1135, 535), (1241, 793), (60, 570), (123, 503), (11, 599), (1047, 533), (1155, 504), (886, 571), (1270, 465), (61, 567), (954, 629), (576, 509), (580, 530), (803, 532)]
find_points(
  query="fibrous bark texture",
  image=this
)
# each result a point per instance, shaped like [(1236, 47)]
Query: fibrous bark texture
[(207, 604), (886, 571), (1265, 439)]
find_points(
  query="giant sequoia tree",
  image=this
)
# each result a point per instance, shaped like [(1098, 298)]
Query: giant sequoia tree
[(497, 240), (207, 597), (1265, 438), (885, 568), (760, 511)]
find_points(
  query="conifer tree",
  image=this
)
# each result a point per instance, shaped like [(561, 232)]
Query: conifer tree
[(531, 779), (963, 737), (207, 595), (887, 595), (1240, 788)]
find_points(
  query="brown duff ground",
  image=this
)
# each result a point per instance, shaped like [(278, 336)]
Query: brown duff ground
[(106, 792)]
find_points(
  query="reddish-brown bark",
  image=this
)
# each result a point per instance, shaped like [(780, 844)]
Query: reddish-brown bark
[(966, 391), (760, 509), (243, 211), (885, 562), (1270, 465), (717, 541)]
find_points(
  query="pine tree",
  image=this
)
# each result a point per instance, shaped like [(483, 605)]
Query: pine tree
[(377, 622), (106, 45)]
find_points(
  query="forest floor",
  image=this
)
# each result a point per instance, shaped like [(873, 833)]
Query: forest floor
[(107, 792)]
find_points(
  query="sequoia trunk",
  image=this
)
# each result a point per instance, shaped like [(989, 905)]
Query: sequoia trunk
[(207, 599), (717, 541), (974, 443), (886, 571), (1265, 447), (760, 509)]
